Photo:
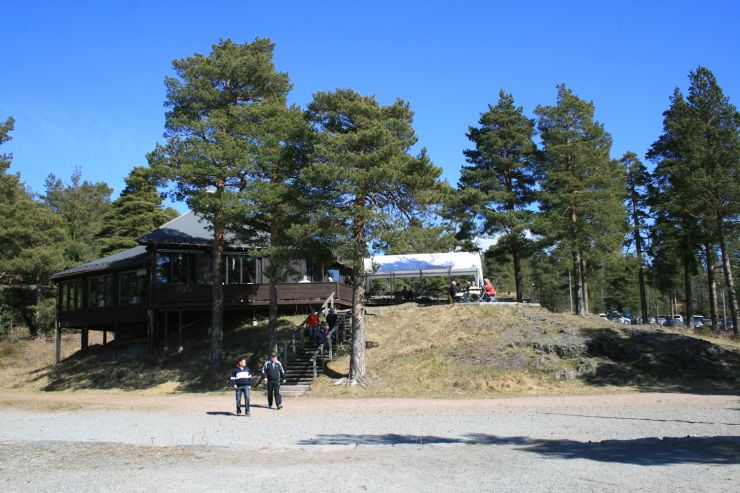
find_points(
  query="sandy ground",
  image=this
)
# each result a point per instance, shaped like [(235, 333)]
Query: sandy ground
[(94, 441)]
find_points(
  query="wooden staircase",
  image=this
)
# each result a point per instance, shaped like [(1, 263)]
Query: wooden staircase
[(303, 362)]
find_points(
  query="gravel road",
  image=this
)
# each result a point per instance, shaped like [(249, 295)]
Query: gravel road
[(121, 442)]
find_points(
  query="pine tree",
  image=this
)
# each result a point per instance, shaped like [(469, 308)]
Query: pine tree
[(136, 212), (697, 160), (82, 206), (217, 103), (582, 189), (275, 215), (30, 239), (638, 179), (363, 174), (499, 184)]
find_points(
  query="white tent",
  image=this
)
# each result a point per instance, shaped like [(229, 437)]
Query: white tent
[(421, 265)]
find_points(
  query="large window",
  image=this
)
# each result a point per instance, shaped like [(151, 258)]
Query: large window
[(132, 288), (239, 269), (100, 292), (173, 267), (70, 296)]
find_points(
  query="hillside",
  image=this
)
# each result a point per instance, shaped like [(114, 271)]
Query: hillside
[(439, 351), (490, 350)]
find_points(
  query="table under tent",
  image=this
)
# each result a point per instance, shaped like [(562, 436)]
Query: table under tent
[(398, 278)]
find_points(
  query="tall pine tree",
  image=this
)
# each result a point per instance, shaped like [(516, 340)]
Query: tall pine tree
[(638, 179), (697, 160), (582, 189), (498, 186), (30, 240), (362, 174), (213, 139)]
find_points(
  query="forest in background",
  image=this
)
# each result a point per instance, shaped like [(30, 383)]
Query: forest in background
[(577, 228)]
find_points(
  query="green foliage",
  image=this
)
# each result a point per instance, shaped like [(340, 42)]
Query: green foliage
[(582, 188), (82, 206), (363, 180), (30, 240), (696, 189), (362, 172), (136, 212), (498, 186), (225, 142)]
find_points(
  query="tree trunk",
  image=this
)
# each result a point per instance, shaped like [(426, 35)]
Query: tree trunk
[(638, 248), (273, 309), (689, 305), (584, 286), (578, 291), (357, 363), (729, 281), (712, 284), (36, 328), (515, 255), (217, 319)]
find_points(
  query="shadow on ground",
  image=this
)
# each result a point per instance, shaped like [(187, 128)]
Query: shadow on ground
[(654, 360), (183, 372), (641, 451)]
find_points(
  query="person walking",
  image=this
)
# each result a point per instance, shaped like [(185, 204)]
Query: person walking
[(241, 379), (312, 324), (273, 372)]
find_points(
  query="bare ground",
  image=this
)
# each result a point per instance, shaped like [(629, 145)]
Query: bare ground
[(97, 441)]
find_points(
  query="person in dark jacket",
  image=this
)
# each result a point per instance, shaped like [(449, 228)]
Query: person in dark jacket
[(241, 379), (273, 372)]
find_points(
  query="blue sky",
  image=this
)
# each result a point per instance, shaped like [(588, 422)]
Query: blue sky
[(84, 79)]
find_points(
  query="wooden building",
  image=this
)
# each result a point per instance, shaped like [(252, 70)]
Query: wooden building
[(164, 283)]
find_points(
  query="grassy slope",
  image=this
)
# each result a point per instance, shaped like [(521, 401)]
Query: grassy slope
[(443, 351), (490, 350)]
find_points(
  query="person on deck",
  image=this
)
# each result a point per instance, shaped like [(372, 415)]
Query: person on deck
[(273, 372), (241, 379), (452, 292), (490, 291)]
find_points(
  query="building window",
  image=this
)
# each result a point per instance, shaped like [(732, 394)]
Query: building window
[(181, 267), (132, 288), (70, 296), (100, 292), (239, 269)]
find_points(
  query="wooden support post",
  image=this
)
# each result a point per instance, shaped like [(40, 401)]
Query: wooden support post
[(58, 355), (84, 339), (116, 337), (105, 337), (150, 329), (179, 337), (166, 327), (285, 354)]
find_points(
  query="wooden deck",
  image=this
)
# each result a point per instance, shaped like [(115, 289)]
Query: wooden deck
[(245, 295)]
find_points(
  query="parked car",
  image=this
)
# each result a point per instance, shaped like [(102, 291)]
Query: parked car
[(652, 320), (662, 320), (697, 321)]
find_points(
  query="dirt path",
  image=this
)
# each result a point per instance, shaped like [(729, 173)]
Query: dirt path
[(92, 441)]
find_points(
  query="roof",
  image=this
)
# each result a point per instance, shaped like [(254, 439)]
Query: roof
[(189, 229), (131, 257), (424, 265)]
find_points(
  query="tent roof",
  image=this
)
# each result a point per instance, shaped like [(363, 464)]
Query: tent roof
[(424, 264)]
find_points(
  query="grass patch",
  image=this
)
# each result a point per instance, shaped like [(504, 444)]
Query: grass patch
[(502, 350)]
